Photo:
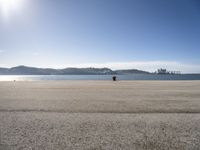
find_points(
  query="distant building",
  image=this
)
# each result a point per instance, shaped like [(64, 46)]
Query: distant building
[(164, 71)]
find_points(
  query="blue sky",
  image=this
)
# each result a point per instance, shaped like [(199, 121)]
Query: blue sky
[(143, 34)]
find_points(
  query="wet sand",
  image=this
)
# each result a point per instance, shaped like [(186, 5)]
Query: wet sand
[(100, 115)]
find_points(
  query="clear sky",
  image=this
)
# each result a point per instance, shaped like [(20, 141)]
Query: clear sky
[(142, 34)]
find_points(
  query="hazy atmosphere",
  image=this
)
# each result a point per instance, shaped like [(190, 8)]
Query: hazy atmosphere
[(119, 34), (100, 74)]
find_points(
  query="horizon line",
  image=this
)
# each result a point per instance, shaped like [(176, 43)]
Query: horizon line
[(149, 66)]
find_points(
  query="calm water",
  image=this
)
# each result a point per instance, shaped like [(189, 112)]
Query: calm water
[(98, 77)]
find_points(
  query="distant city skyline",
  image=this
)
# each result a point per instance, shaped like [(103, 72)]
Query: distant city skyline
[(119, 34)]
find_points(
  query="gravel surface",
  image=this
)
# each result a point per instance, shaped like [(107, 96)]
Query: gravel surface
[(59, 131), (101, 96), (62, 115)]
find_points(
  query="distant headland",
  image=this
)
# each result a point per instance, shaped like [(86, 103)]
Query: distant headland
[(25, 70)]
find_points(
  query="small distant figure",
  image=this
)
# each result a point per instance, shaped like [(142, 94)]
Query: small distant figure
[(14, 80), (114, 78)]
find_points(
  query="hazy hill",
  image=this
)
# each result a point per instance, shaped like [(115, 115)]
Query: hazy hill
[(3, 70), (131, 71), (24, 70)]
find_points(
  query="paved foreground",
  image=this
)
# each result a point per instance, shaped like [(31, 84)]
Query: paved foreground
[(100, 115)]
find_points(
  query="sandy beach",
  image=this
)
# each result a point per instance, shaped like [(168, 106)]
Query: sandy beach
[(100, 115)]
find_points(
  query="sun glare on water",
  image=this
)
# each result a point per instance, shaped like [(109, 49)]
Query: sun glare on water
[(8, 7)]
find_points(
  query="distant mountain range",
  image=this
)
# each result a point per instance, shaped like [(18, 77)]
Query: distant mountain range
[(24, 70)]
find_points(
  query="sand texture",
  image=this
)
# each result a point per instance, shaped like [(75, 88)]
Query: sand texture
[(101, 96), (100, 115)]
